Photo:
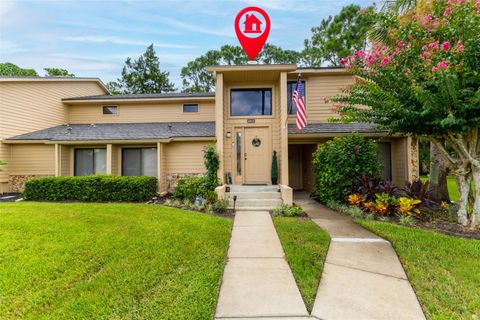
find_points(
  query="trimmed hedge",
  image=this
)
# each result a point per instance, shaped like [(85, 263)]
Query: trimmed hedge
[(97, 188)]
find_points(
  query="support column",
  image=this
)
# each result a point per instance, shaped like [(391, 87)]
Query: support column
[(283, 130), (58, 160), (161, 167), (413, 172), (109, 158), (219, 123)]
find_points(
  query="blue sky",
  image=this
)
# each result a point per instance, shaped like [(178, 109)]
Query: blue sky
[(93, 38)]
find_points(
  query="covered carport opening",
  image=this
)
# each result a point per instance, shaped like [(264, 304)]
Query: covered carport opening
[(391, 150)]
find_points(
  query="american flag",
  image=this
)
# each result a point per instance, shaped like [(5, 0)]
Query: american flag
[(297, 97)]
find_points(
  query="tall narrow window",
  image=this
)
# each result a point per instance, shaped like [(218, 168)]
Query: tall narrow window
[(90, 161), (251, 102), (139, 162), (239, 153), (291, 86)]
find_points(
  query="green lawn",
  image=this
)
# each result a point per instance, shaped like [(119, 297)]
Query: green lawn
[(109, 261), (444, 270), (305, 245)]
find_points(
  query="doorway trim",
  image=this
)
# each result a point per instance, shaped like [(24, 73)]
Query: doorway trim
[(240, 179)]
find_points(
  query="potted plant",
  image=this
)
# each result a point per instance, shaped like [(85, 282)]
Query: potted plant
[(274, 171)]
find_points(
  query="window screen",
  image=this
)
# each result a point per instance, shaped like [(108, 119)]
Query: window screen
[(90, 161), (139, 162)]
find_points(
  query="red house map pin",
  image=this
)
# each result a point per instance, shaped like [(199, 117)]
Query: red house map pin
[(252, 26)]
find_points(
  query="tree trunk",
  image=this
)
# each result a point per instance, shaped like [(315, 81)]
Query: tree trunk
[(476, 202), (463, 183), (437, 186)]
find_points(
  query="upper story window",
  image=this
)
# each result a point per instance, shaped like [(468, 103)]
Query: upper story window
[(291, 86), (110, 109), (190, 107), (251, 102)]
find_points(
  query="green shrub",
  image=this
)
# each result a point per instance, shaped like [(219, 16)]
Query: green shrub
[(338, 163), (97, 188), (288, 211), (274, 169), (212, 164), (220, 206), (189, 188)]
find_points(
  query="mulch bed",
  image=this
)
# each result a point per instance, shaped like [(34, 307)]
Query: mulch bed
[(449, 228), (160, 200)]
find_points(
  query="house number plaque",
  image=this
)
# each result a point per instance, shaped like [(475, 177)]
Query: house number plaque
[(250, 120)]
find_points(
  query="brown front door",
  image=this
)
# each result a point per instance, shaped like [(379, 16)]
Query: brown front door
[(257, 160)]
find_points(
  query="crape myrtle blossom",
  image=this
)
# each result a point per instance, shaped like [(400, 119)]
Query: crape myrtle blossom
[(424, 81), (435, 50)]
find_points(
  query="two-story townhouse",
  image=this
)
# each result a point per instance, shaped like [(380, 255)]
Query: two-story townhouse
[(249, 116)]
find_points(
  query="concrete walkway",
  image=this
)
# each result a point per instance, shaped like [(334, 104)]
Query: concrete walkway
[(257, 281), (362, 277)]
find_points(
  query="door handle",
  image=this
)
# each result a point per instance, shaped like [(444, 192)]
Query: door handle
[(245, 156)]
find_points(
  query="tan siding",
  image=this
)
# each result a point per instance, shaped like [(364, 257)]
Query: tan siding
[(29, 106), (231, 123), (116, 165), (184, 157), (32, 159), (399, 161), (321, 87), (66, 163), (127, 113)]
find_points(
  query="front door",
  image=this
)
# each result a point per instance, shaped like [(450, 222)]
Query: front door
[(257, 160)]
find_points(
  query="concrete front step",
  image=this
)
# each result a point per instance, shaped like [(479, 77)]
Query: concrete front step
[(254, 195), (261, 188), (272, 203)]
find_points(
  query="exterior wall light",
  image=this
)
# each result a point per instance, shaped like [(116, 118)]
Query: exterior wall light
[(229, 134)]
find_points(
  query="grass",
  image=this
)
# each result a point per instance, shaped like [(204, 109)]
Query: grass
[(305, 245), (444, 270), (109, 261)]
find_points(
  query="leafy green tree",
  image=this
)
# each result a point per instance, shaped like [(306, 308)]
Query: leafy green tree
[(144, 75), (338, 37), (196, 78), (114, 87), (426, 83), (56, 72), (10, 69)]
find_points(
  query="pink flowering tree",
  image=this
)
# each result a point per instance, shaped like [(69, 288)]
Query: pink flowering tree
[(425, 81)]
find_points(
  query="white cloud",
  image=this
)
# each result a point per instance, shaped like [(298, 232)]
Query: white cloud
[(194, 28), (292, 6), (124, 41)]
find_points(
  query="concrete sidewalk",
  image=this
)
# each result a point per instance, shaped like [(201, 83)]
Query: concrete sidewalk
[(257, 281), (362, 277)]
